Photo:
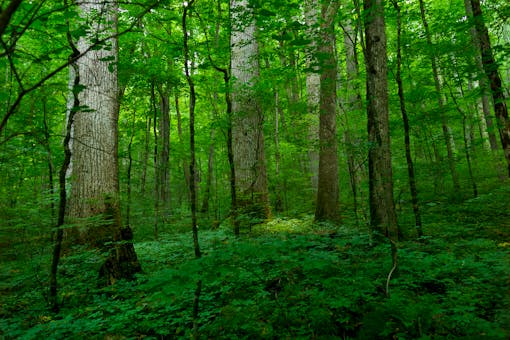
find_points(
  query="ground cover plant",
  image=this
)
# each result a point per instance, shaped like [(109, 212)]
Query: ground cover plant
[(287, 278)]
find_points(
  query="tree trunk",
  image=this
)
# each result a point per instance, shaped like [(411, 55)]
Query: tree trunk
[(407, 140), (95, 183), (487, 126), (155, 162), (164, 154), (491, 70), (353, 104), (383, 219), (185, 165), (73, 103), (210, 172), (148, 121), (327, 207), (247, 123), (313, 83), (192, 100), (447, 134), (129, 170)]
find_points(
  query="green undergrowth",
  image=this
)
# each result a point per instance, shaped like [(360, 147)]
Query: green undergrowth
[(286, 279)]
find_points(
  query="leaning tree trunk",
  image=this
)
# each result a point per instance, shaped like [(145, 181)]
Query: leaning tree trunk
[(95, 183), (491, 69), (247, 123), (383, 219)]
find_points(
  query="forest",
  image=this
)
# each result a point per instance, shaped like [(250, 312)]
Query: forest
[(248, 169)]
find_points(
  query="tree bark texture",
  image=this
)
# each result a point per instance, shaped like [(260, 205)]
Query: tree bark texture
[(247, 122), (491, 70), (327, 207), (313, 81), (383, 218), (95, 183), (353, 104)]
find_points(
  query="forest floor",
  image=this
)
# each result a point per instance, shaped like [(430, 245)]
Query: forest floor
[(287, 279)]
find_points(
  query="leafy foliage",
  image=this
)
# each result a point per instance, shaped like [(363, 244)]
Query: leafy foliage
[(288, 278)]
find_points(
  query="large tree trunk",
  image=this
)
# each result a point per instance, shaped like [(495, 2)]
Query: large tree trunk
[(247, 123), (491, 69), (95, 183), (383, 219), (327, 207)]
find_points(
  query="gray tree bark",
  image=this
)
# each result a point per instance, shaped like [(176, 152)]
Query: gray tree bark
[(313, 83), (247, 120), (94, 179)]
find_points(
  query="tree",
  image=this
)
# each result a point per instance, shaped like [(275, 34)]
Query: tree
[(94, 179), (247, 120), (313, 83), (407, 139), (491, 70), (192, 102), (447, 134), (383, 218), (486, 124), (327, 190)]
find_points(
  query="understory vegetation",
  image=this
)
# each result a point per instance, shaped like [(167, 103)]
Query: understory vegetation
[(286, 278)]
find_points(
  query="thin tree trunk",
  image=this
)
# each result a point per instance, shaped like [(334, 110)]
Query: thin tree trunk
[(491, 70), (73, 104), (192, 167), (277, 155), (229, 116), (148, 120), (354, 103), (407, 140), (49, 157), (164, 154), (155, 163), (450, 146), (488, 126), (130, 166), (185, 165)]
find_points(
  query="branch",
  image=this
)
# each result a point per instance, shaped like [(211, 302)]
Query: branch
[(25, 91), (6, 15)]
